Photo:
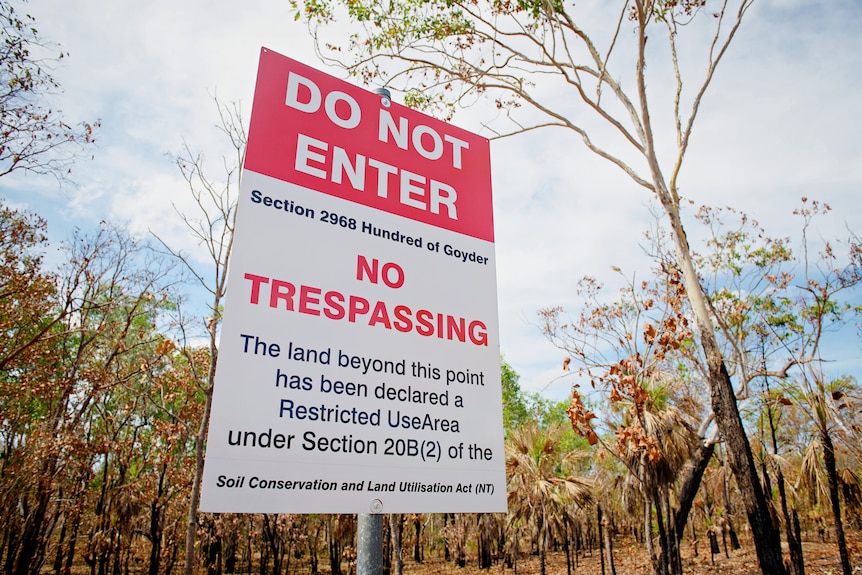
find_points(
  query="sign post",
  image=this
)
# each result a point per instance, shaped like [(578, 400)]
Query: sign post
[(359, 365), (369, 544)]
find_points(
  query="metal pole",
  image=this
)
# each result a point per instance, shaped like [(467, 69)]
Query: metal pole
[(369, 552), (369, 529)]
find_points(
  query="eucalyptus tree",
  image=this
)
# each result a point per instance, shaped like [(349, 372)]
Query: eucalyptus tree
[(448, 51)]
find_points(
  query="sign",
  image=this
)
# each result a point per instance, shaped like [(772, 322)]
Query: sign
[(359, 363)]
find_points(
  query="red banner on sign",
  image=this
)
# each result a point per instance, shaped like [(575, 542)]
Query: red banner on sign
[(325, 134)]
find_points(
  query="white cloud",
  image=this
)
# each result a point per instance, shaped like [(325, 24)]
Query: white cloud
[(780, 122)]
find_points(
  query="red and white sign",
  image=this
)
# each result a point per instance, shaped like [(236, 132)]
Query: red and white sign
[(359, 365)]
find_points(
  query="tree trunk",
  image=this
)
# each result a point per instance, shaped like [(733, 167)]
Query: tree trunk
[(155, 538), (27, 560), (601, 537), (728, 516), (58, 555), (664, 553), (767, 543), (567, 547), (832, 475), (447, 555), (156, 525), (674, 557), (334, 546), (766, 540), (691, 484), (312, 540), (195, 498), (486, 541), (713, 544), (75, 520), (417, 549), (797, 533), (648, 539), (214, 553), (693, 539), (609, 552), (398, 558), (516, 551), (794, 545)]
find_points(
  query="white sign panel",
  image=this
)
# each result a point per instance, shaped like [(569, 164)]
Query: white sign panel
[(359, 366)]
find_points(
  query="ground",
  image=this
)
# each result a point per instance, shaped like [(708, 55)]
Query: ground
[(820, 559)]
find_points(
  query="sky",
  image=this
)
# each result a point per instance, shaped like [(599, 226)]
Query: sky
[(780, 122)]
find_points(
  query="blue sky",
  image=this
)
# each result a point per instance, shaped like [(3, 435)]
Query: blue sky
[(780, 122)]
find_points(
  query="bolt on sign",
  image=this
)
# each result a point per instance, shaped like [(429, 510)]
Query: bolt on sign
[(359, 361)]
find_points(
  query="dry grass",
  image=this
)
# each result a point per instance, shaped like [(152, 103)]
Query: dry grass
[(630, 559)]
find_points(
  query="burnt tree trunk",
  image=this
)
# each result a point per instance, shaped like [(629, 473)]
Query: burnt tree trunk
[(601, 537), (832, 475), (395, 526), (417, 539), (767, 543), (723, 398), (691, 484), (794, 544)]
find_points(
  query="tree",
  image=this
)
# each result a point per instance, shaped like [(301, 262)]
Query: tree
[(212, 228), (772, 302), (29, 320), (638, 352), (449, 51), (26, 290), (61, 405), (34, 136), (820, 303), (773, 308), (541, 490), (515, 410)]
